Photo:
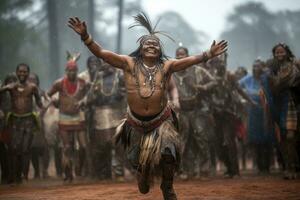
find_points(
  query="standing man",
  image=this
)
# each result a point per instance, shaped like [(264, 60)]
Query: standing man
[(71, 90), (185, 82), (224, 104), (190, 83), (93, 65), (204, 134), (149, 134), (21, 120), (107, 98)]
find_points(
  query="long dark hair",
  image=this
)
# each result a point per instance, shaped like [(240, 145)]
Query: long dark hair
[(290, 56), (273, 63)]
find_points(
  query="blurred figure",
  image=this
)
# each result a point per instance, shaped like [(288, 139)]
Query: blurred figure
[(195, 132), (93, 65), (225, 100), (281, 77), (240, 72), (71, 90), (107, 98), (39, 148), (22, 120), (259, 135), (50, 121), (5, 108), (185, 81)]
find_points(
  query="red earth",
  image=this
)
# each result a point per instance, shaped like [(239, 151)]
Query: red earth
[(245, 188)]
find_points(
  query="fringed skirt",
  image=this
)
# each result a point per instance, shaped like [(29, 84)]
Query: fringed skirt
[(146, 141)]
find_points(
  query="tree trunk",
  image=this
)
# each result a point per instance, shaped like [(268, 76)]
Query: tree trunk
[(54, 48), (91, 17), (120, 19)]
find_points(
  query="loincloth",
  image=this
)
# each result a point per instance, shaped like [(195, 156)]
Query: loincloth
[(71, 122), (21, 129), (146, 141), (23, 121)]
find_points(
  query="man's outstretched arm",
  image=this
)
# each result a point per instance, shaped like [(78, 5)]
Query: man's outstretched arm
[(215, 50), (112, 58)]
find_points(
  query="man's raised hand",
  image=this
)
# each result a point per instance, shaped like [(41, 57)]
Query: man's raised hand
[(78, 26), (218, 49)]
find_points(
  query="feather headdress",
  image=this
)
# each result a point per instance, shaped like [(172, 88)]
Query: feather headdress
[(143, 20), (72, 60), (74, 57)]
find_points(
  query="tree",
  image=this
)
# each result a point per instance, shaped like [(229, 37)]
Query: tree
[(174, 24), (54, 45), (250, 33), (13, 33)]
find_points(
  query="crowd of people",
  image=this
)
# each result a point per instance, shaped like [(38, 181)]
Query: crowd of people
[(208, 117)]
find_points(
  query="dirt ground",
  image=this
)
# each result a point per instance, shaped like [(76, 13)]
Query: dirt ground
[(244, 188)]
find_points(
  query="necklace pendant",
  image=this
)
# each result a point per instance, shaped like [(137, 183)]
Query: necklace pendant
[(144, 84), (20, 89)]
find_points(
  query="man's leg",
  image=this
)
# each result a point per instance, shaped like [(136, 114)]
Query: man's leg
[(291, 155), (68, 153), (81, 138), (57, 148), (16, 154), (103, 151), (267, 156), (4, 163), (185, 131), (45, 160), (200, 135), (168, 167), (231, 149), (117, 163), (28, 133), (35, 161), (58, 159)]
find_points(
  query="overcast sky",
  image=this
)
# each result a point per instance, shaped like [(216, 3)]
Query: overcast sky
[(210, 15)]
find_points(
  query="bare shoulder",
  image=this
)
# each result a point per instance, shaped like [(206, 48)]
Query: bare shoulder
[(130, 63), (125, 60), (83, 82), (168, 63), (128, 59), (32, 86), (58, 83)]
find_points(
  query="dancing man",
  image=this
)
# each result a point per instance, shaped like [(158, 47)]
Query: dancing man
[(149, 133)]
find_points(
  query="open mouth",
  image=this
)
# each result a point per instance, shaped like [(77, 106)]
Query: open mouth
[(151, 51)]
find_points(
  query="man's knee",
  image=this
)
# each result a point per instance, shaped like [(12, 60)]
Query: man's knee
[(167, 156)]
